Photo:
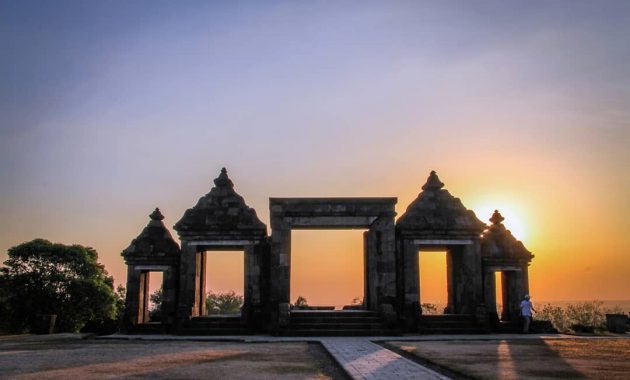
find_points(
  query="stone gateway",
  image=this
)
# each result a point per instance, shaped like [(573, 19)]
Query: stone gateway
[(221, 220)]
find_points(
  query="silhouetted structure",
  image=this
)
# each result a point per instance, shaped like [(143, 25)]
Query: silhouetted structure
[(221, 220)]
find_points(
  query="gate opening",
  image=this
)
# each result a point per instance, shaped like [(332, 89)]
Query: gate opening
[(432, 274), (154, 282), (327, 269), (224, 282), (498, 295)]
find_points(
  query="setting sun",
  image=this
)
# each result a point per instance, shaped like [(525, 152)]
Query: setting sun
[(514, 219)]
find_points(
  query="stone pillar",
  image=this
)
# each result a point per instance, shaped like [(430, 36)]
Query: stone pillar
[(169, 295), (385, 246), (490, 296), (516, 291), (489, 289), (453, 274), (251, 296), (410, 282), (132, 299), (525, 279), (256, 293), (370, 275), (469, 286), (187, 283), (280, 271)]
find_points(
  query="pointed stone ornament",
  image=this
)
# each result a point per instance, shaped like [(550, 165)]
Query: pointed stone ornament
[(436, 214), (156, 215), (222, 214), (223, 180), (433, 182), (496, 217)]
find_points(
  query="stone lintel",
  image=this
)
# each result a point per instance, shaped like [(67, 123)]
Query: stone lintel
[(221, 243), (330, 222), (332, 207), (441, 242), (503, 268), (151, 260), (155, 268)]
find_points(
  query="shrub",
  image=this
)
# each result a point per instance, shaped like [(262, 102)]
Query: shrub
[(582, 317), (429, 308)]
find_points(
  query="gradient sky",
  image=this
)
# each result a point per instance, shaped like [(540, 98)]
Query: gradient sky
[(111, 108)]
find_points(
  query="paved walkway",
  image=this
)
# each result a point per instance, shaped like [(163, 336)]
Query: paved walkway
[(362, 359)]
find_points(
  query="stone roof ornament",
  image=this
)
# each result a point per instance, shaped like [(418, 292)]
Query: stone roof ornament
[(433, 182), (496, 218), (156, 215), (223, 180)]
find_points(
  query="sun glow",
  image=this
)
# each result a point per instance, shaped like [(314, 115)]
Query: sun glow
[(514, 217)]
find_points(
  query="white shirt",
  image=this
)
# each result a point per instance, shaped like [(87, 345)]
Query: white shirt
[(526, 308)]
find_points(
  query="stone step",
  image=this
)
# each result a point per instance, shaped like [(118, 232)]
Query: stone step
[(214, 331), (337, 332), (215, 325), (336, 320), (451, 330), (340, 326), (198, 326), (333, 313), (447, 323), (446, 317), (216, 318)]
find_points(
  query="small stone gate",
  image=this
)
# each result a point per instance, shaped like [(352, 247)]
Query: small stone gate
[(221, 220)]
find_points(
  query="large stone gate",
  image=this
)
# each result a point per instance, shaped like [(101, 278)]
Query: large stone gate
[(221, 220)]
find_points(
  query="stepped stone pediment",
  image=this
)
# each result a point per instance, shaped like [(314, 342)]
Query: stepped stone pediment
[(436, 213), (221, 214), (153, 243)]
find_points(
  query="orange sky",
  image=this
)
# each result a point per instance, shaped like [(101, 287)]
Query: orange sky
[(112, 109)]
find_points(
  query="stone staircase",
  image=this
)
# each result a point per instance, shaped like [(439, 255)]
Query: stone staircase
[(449, 324), (335, 323), (147, 328), (215, 325)]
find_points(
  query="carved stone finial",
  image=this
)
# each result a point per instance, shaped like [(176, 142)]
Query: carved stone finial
[(497, 218), (156, 215), (433, 182), (223, 179)]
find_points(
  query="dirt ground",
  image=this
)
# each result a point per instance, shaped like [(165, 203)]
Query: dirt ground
[(69, 357), (519, 359)]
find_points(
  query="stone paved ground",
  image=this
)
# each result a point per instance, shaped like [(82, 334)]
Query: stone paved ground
[(66, 356), (235, 357), (363, 359), (577, 358)]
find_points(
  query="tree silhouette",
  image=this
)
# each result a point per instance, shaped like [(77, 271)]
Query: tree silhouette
[(45, 278)]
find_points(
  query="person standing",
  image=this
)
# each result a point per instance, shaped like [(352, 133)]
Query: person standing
[(526, 313)]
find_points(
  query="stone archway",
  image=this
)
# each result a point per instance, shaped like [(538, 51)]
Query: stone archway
[(220, 220), (502, 252), (374, 214), (438, 220), (154, 250)]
